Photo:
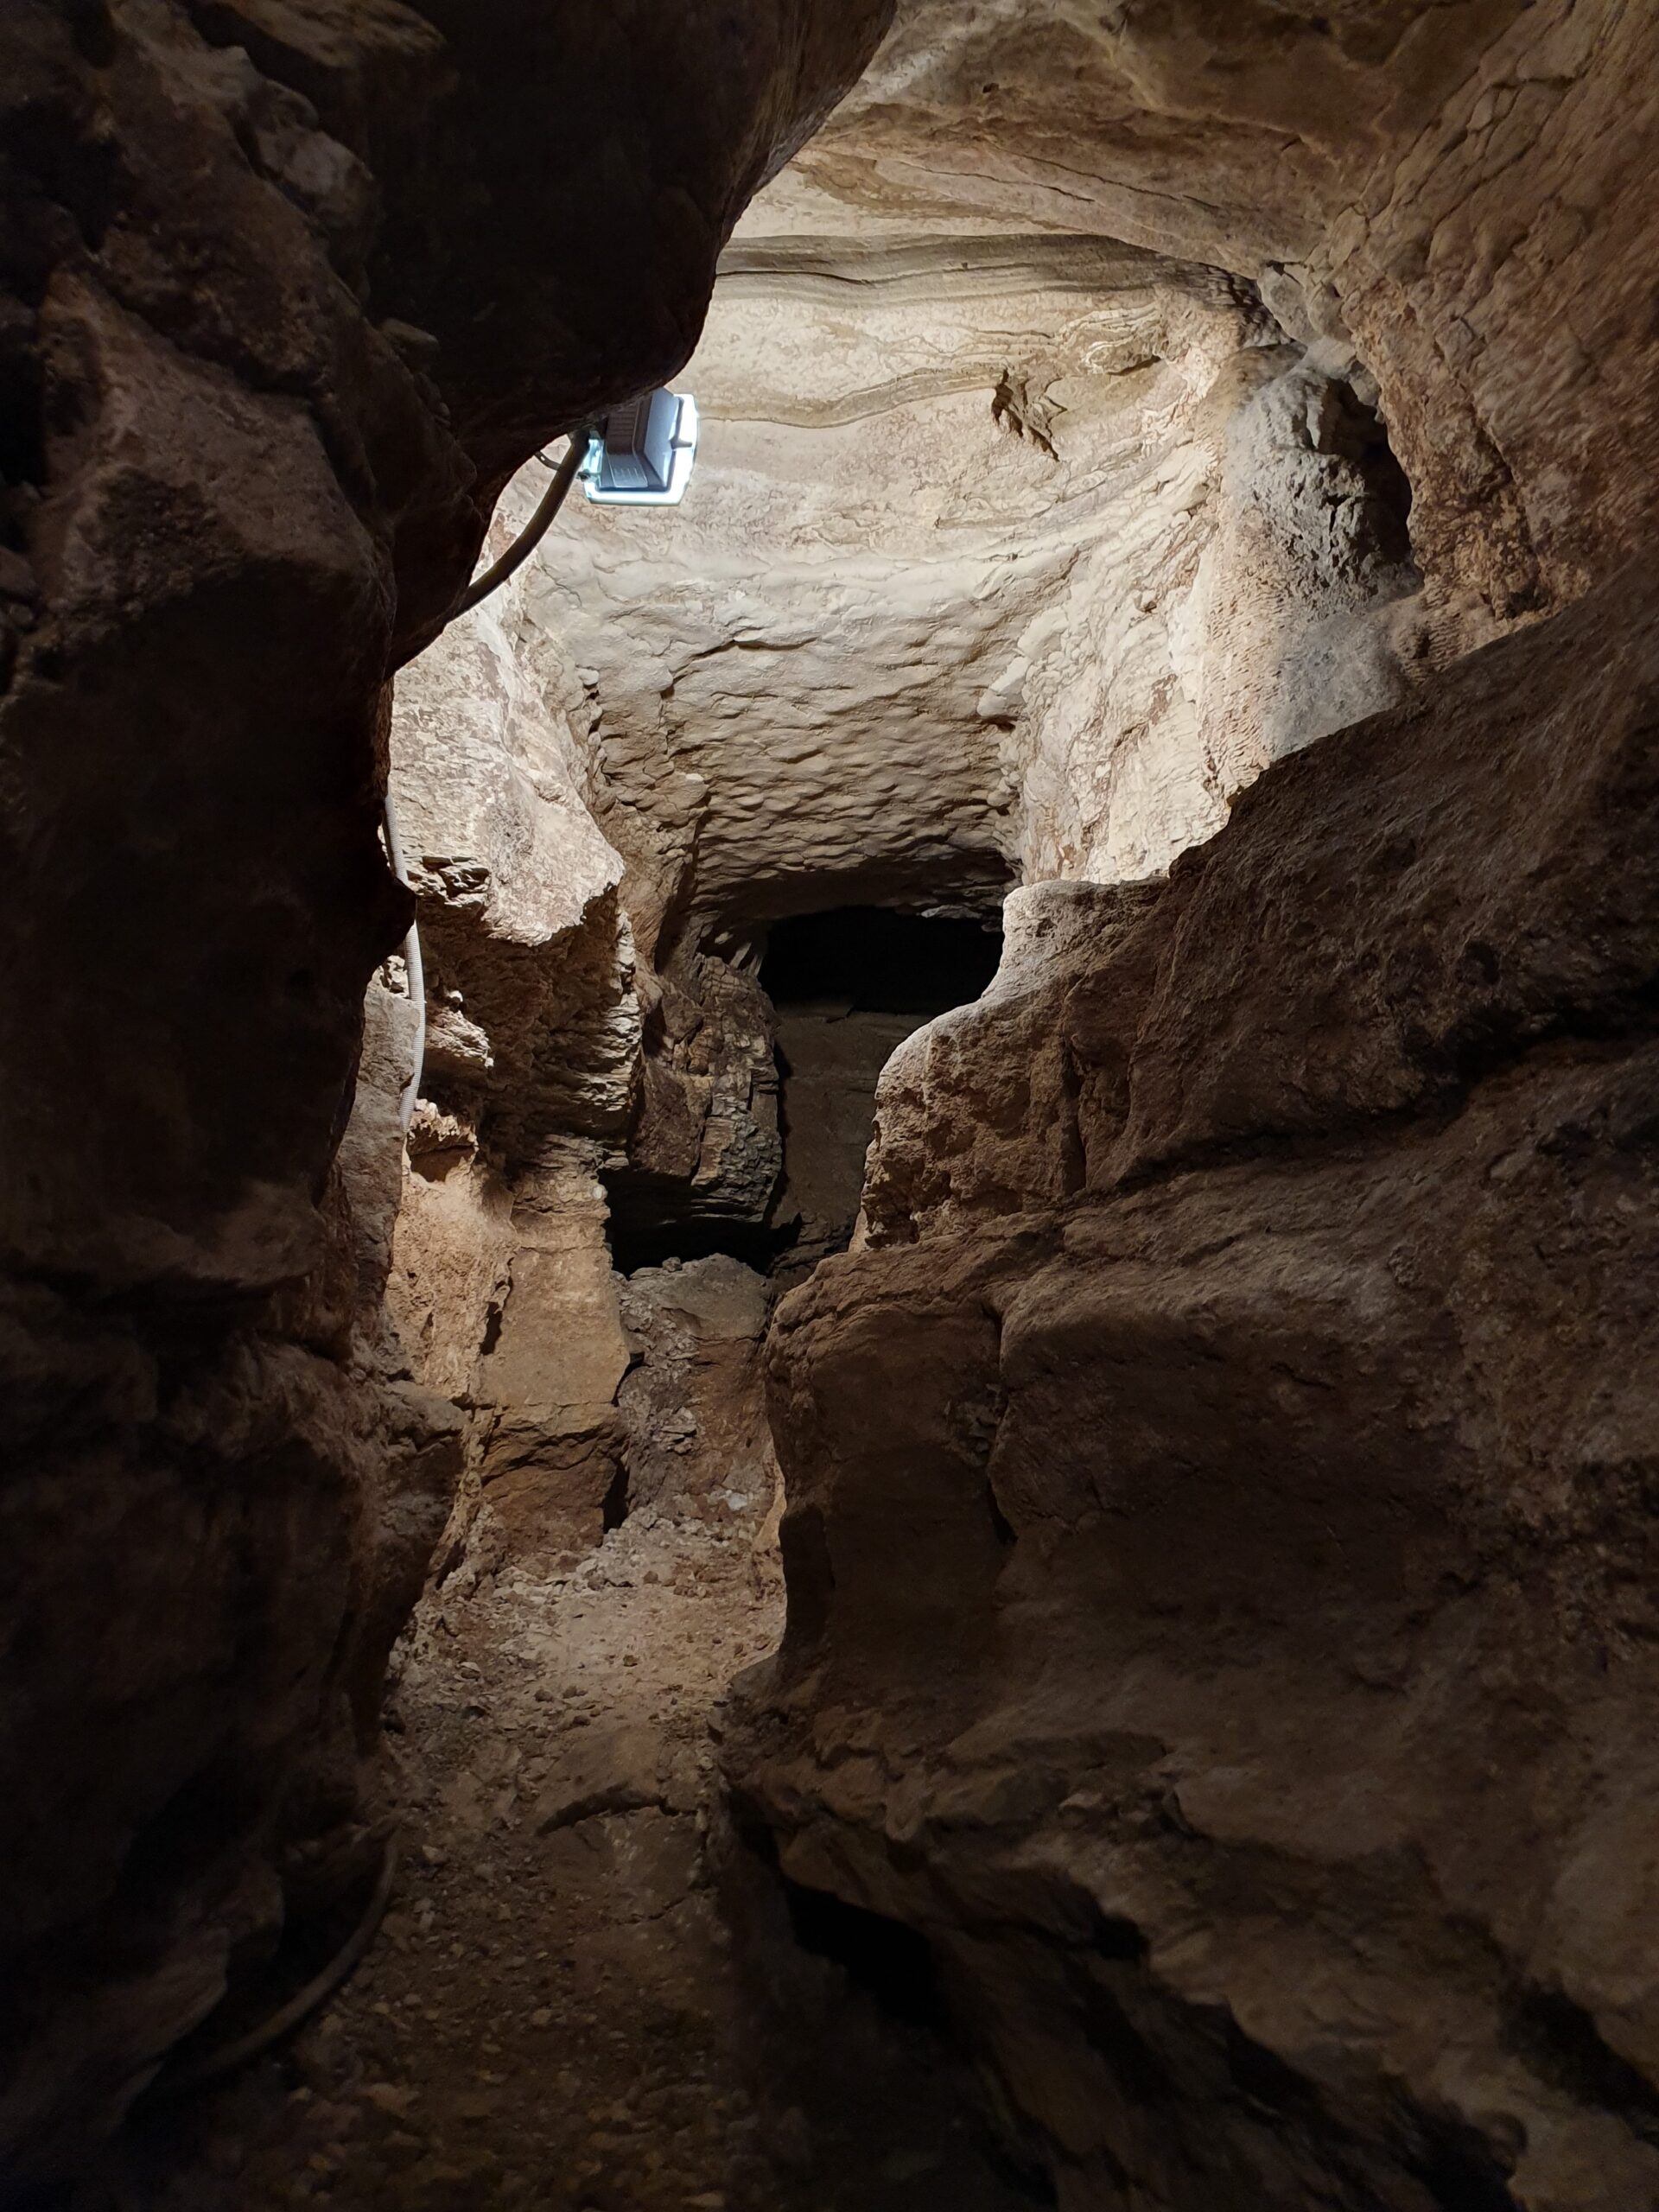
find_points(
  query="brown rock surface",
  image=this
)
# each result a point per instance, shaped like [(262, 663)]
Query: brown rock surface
[(1219, 1627), (698, 1441), (1262, 1744), (287, 290), (579, 1998)]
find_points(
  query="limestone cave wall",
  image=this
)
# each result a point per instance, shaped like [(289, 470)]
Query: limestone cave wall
[(1253, 1336), (1157, 461), (1250, 1329), (288, 289)]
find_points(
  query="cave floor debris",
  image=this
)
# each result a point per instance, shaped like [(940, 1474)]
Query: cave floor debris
[(553, 2014)]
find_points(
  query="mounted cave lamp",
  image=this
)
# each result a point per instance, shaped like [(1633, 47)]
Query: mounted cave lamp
[(642, 455)]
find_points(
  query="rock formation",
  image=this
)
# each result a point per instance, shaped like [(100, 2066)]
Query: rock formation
[(1250, 1331), (1253, 1336), (287, 291), (1455, 193)]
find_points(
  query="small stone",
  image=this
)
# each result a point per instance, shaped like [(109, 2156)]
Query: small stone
[(385, 2097)]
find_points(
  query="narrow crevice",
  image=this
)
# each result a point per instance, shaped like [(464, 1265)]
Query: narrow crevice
[(1560, 2039), (888, 1961), (614, 1510)]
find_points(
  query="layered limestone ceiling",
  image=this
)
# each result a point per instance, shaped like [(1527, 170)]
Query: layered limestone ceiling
[(921, 464), (1008, 556), (1105, 404), (1458, 191), (1212, 130), (989, 541)]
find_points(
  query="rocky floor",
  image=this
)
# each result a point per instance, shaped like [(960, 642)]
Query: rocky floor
[(556, 2011)]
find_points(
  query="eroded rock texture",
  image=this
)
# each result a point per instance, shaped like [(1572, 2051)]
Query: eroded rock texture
[(1217, 1531), (287, 290), (1453, 192), (1255, 1340), (1220, 1480)]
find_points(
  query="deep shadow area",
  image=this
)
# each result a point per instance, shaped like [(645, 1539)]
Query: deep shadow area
[(879, 962), (643, 1232), (846, 986), (890, 1961), (853, 2047), (849, 986)]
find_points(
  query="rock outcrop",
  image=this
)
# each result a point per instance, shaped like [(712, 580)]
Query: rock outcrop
[(1251, 1357), (1216, 1537), (288, 291), (1007, 555)]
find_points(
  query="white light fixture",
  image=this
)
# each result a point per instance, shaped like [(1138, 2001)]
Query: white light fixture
[(643, 454)]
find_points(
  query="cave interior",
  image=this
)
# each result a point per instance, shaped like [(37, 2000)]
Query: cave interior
[(829, 1312)]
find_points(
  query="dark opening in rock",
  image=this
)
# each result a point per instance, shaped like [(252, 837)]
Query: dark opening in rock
[(882, 1957), (849, 986), (876, 962)]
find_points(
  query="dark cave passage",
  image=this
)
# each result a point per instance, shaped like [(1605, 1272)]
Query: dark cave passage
[(844, 986), (849, 986), (875, 961)]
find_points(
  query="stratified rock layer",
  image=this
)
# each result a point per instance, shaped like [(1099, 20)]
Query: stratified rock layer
[(1461, 194), (1260, 1728)]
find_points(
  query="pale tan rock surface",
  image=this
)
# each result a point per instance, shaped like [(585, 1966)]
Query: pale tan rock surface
[(978, 1112), (1004, 556), (1462, 190), (549, 1380), (1056, 403), (1263, 1749)]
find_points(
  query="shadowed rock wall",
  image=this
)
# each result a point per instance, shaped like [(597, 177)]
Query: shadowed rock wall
[(287, 290)]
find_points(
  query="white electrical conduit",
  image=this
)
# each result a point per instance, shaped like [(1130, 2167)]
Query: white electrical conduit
[(417, 971), (519, 551)]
